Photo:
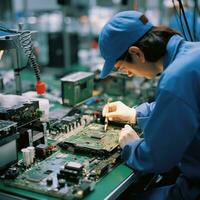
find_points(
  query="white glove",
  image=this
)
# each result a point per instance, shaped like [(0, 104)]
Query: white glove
[(118, 111), (127, 135)]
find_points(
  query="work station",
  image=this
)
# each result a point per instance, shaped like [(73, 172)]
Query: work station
[(99, 100)]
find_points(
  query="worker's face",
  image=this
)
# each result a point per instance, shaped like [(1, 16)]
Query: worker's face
[(139, 67)]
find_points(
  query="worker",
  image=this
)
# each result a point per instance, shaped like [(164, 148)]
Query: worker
[(171, 124)]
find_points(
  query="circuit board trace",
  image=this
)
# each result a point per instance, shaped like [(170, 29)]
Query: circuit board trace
[(71, 175)]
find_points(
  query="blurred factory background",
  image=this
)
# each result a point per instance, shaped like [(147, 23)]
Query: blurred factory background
[(66, 38)]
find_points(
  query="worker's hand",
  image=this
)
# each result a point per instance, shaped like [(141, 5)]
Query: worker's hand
[(127, 135), (118, 111)]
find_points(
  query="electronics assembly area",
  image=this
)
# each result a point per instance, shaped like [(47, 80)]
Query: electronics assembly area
[(99, 99)]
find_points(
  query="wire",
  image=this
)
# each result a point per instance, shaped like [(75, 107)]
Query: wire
[(26, 43), (179, 19), (185, 19), (195, 14)]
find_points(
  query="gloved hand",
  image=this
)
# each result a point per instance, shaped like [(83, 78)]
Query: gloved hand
[(118, 111), (127, 135)]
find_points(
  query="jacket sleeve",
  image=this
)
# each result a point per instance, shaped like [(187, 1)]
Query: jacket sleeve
[(169, 131), (143, 113)]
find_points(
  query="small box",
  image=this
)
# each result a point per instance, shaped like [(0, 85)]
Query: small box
[(77, 87)]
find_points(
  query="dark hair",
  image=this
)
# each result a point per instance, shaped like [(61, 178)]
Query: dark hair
[(153, 44)]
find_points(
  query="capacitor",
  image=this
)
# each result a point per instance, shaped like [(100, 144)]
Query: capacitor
[(49, 181), (79, 194), (32, 154), (12, 173), (26, 157), (61, 182)]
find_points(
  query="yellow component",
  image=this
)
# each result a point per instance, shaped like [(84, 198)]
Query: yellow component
[(79, 194)]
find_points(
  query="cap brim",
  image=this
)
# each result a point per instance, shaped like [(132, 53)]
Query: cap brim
[(107, 68)]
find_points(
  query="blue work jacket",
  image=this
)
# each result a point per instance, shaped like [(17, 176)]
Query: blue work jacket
[(171, 125)]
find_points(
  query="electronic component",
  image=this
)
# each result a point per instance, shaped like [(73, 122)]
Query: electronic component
[(72, 176), (93, 140), (61, 182), (8, 145), (49, 181), (26, 157), (27, 115), (43, 177), (41, 151), (33, 134), (7, 128), (63, 127), (76, 87), (85, 188), (72, 171), (22, 113), (74, 166), (12, 173), (38, 133), (32, 154)]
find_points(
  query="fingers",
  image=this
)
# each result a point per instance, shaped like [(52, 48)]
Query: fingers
[(110, 107), (128, 127), (112, 114), (123, 138), (105, 110), (127, 135), (127, 130)]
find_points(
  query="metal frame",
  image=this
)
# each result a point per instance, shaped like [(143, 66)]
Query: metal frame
[(122, 187), (9, 41)]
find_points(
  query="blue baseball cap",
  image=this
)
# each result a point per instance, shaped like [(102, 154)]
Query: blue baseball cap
[(122, 30)]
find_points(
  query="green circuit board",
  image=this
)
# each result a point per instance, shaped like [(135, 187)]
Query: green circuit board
[(77, 172), (75, 186), (93, 139)]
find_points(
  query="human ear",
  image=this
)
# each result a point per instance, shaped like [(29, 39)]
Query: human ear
[(137, 53)]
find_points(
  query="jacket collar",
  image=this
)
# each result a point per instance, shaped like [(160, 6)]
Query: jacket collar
[(172, 50)]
